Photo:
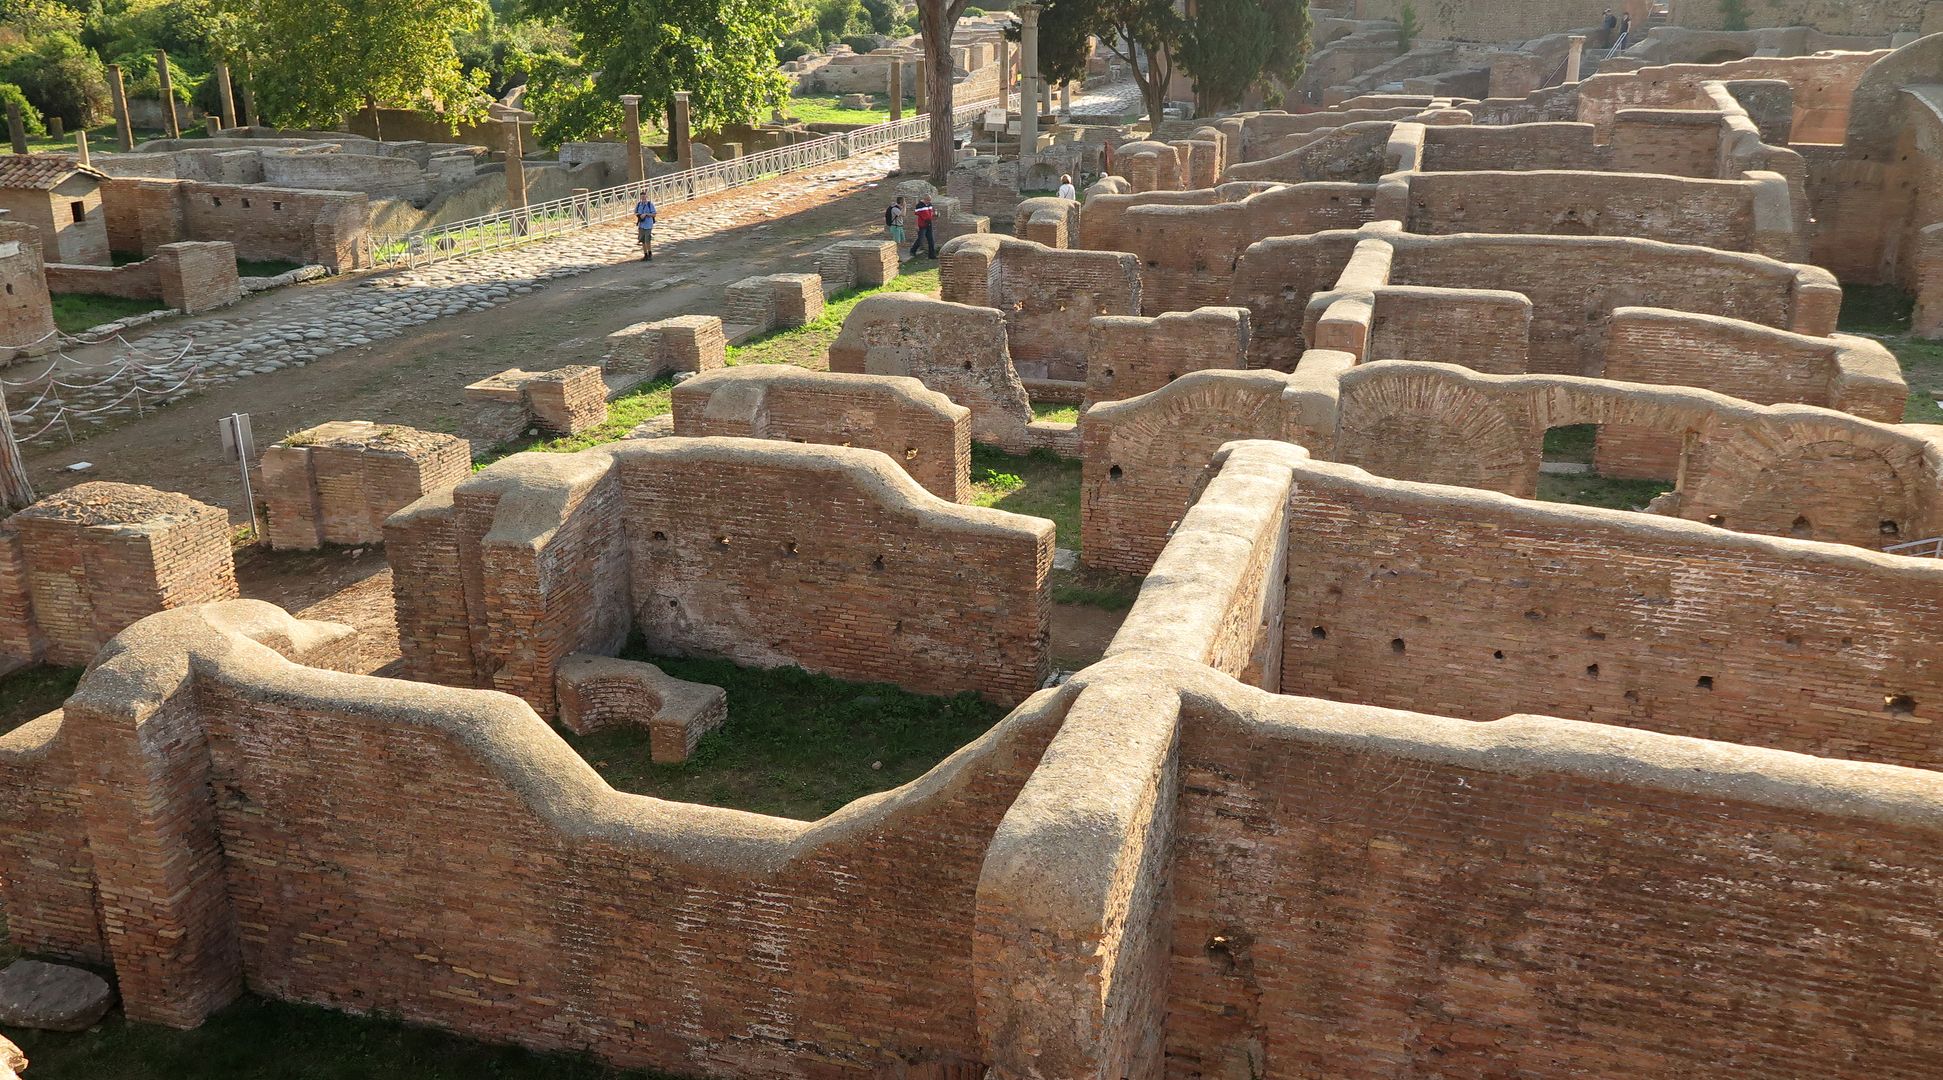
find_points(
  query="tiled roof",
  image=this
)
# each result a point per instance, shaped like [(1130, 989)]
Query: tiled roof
[(41, 172)]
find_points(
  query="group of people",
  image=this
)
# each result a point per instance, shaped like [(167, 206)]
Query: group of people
[(1618, 28), (924, 216)]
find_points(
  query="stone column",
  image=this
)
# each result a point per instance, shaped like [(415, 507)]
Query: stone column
[(16, 128), (896, 87), (1066, 98), (515, 165), (636, 171), (124, 131), (169, 121), (56, 128), (249, 99), (1004, 74), (680, 141), (225, 95), (922, 107), (1574, 52), (81, 146), (1029, 79)]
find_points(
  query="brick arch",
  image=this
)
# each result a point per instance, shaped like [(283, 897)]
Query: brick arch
[(1837, 490), (1432, 428)]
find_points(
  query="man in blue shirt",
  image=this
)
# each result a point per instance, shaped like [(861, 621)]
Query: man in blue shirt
[(644, 226)]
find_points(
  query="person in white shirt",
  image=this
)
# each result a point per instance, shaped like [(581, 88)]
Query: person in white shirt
[(1066, 189)]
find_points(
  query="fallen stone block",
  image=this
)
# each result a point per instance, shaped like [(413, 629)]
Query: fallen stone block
[(599, 692), (52, 997)]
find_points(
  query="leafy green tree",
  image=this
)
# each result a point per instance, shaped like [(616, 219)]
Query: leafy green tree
[(1234, 46), (332, 57), (832, 19), (1146, 34), (881, 15), (29, 116), (723, 52), (59, 76)]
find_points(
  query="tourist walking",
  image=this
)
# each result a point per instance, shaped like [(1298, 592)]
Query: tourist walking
[(644, 226), (922, 218), (894, 221), (1066, 189)]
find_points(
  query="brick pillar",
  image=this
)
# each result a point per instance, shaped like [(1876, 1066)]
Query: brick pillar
[(1004, 74), (1928, 319), (141, 770), (636, 170), (1574, 53), (124, 131), (896, 87), (515, 165), (16, 128), (56, 128), (81, 146), (168, 95), (679, 137), (225, 94), (249, 99), (922, 92)]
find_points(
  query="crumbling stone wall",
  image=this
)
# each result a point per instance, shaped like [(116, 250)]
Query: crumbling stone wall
[(923, 431), (98, 556), (1823, 84), (26, 312), (1653, 623), (337, 483), (307, 226), (1047, 295), (189, 277), (1127, 356)]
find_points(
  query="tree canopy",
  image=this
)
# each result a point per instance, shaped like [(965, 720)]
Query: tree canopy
[(322, 60), (1230, 47)]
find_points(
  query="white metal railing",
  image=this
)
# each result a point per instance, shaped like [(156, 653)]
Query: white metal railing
[(1921, 549), (538, 221)]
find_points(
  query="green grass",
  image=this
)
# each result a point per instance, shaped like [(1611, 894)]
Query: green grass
[(1040, 484), (30, 692), (795, 745), (823, 109), (1108, 590), (1883, 311), (100, 137), (75, 312), (624, 414), (808, 345), (255, 1039), (1573, 443), (1591, 489), (1056, 412)]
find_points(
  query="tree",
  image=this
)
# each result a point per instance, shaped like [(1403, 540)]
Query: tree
[(723, 52), (1146, 34), (936, 21), (328, 58), (1234, 46)]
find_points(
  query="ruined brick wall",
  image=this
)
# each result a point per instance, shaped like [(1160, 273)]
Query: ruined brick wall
[(1127, 356), (1511, 147), (1860, 17), (100, 556), (338, 482), (26, 314), (323, 228), (46, 873), (1675, 142), (1823, 84), (1493, 20), (923, 431), (833, 560), (1353, 153), (1274, 280), (1709, 213), (1101, 224), (186, 276), (1538, 897), (1481, 329), (1048, 296), (1659, 624), (1188, 253)]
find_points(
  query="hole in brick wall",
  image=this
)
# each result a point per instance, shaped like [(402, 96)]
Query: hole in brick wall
[(1535, 615), (10, 290), (1705, 682), (659, 535), (1151, 263), (1109, 373), (968, 365), (1899, 704), (1593, 634), (214, 201), (671, 602), (910, 453), (1592, 670), (1632, 696), (1793, 641), (789, 549), (1318, 632), (1113, 473), (1889, 528), (877, 563), (1717, 520), (721, 541), (246, 204), (1288, 292), (1172, 375), (276, 206), (1801, 527), (1497, 654), (1396, 644)]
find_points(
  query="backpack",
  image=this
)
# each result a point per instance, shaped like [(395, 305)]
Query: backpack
[(890, 214)]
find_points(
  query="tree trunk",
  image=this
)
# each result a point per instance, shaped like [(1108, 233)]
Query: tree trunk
[(377, 126), (935, 22), (16, 491)]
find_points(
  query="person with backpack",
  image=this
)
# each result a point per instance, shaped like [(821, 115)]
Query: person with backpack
[(922, 218), (644, 216), (894, 222)]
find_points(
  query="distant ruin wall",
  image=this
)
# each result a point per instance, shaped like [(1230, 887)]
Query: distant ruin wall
[(1868, 17)]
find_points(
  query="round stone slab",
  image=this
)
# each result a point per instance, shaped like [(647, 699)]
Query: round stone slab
[(51, 997)]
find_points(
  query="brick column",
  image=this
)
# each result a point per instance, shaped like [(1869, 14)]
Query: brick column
[(679, 138), (1928, 319), (636, 170), (923, 94), (124, 131), (16, 128), (515, 165), (225, 94), (896, 87), (169, 120)]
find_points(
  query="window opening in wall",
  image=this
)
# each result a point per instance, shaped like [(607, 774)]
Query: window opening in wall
[(215, 200), (1705, 682), (1318, 632), (1899, 704), (1567, 473), (246, 204), (79, 210), (276, 206)]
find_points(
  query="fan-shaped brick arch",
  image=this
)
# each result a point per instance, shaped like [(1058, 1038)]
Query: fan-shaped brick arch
[(1426, 426), (1792, 480)]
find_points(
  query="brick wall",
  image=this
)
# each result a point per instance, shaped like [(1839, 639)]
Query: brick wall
[(1671, 141), (1677, 210), (1493, 20), (338, 482), (1477, 605), (1829, 16), (1511, 147), (922, 431), (1822, 84), (47, 888), (1188, 253), (1481, 329), (1127, 356), (26, 314), (1352, 154), (1048, 296), (264, 222)]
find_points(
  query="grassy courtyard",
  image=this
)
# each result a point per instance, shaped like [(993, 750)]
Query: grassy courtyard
[(75, 312), (1883, 312), (30, 692), (824, 109)]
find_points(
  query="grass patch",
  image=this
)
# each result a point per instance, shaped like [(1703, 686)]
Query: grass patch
[(823, 109), (31, 692), (624, 414), (808, 345), (1883, 311), (256, 1039), (1571, 443), (75, 312), (264, 267), (1055, 412), (1039, 484), (1591, 489), (1108, 590), (795, 745)]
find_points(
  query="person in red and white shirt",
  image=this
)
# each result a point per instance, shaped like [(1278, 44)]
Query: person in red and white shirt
[(921, 220)]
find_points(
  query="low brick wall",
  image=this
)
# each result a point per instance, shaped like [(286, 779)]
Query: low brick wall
[(1127, 356), (657, 349), (338, 482), (1048, 296), (188, 276)]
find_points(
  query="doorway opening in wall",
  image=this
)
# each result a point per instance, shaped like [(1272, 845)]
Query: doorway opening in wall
[(1567, 473)]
